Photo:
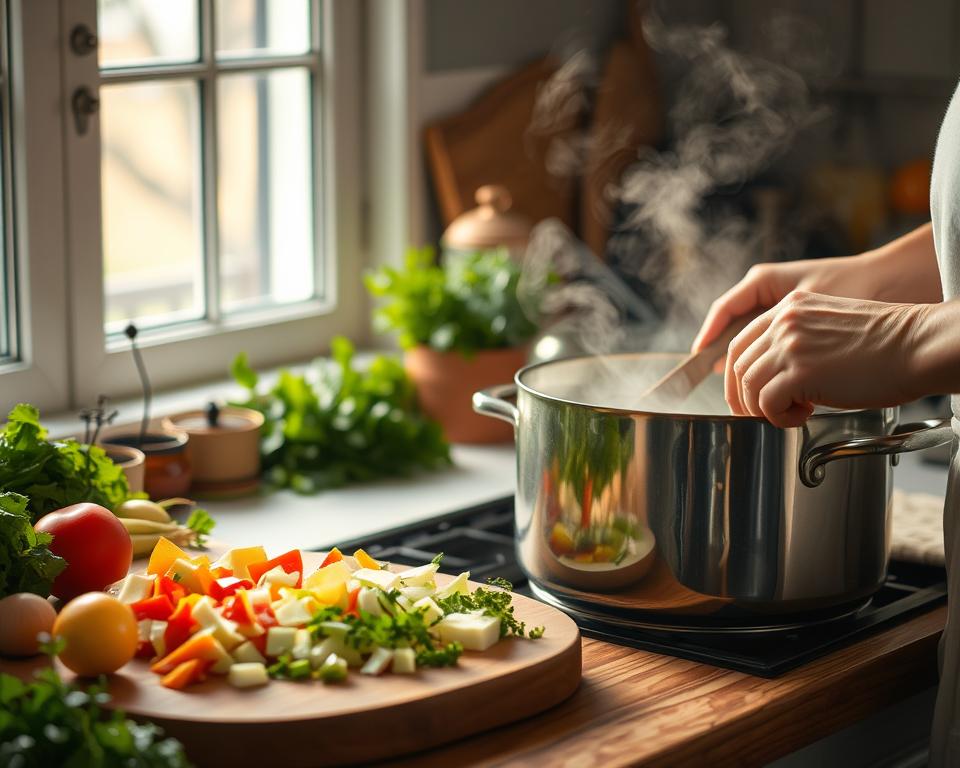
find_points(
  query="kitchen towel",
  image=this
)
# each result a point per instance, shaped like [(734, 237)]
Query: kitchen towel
[(917, 535)]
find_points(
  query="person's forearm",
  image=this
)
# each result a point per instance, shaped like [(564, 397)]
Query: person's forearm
[(905, 270), (933, 357)]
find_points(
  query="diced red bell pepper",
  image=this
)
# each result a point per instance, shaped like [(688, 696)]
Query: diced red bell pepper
[(265, 617), (226, 586), (220, 573), (587, 504), (164, 585), (145, 650), (333, 556), (159, 608), (180, 626), (260, 643), (352, 602), (237, 607), (290, 562)]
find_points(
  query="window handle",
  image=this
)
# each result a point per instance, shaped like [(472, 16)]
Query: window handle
[(84, 105), (83, 40)]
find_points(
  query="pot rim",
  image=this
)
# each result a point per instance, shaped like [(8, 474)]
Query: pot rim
[(832, 413)]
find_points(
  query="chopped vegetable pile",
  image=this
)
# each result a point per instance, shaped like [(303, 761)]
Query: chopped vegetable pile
[(337, 424), (251, 618), (26, 563), (47, 722), (55, 474)]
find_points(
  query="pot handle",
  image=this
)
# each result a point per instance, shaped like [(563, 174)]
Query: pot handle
[(909, 437), (490, 402)]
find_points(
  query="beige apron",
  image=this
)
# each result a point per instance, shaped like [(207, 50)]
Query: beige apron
[(945, 212)]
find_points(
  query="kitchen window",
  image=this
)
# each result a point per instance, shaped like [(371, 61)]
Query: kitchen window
[(199, 144), (208, 162)]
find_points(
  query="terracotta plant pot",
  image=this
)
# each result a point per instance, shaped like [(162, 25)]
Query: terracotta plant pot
[(446, 381), (130, 460)]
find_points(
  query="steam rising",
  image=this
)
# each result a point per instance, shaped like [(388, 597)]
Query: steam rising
[(733, 114)]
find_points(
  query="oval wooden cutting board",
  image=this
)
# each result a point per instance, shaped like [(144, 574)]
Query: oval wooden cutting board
[(366, 718)]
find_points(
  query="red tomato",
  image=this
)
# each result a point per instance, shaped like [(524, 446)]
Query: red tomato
[(95, 545)]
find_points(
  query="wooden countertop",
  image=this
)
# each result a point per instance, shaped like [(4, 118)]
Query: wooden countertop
[(635, 708)]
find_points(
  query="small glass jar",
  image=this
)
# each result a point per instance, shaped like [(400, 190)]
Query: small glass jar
[(167, 471)]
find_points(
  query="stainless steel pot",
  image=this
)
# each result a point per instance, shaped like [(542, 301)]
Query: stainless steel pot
[(695, 520)]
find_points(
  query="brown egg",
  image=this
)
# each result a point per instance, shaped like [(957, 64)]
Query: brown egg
[(22, 617)]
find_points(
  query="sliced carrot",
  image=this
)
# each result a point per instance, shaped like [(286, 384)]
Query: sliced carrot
[(185, 673), (202, 645)]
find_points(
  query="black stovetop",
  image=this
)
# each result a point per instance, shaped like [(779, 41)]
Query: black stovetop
[(480, 539)]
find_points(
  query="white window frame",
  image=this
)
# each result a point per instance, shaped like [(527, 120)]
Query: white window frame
[(204, 349), (67, 358), (41, 375)]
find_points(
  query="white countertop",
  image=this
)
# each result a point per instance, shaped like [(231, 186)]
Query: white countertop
[(283, 520)]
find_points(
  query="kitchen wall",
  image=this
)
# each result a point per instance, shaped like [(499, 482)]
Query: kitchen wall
[(885, 68)]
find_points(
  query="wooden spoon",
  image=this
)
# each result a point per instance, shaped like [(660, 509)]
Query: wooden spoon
[(670, 391)]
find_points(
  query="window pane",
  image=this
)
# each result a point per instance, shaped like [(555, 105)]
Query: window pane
[(260, 27), (135, 32), (266, 196), (152, 224)]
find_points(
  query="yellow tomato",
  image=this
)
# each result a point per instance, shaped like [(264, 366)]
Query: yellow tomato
[(100, 634)]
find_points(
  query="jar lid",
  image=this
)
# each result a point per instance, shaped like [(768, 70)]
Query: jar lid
[(491, 224)]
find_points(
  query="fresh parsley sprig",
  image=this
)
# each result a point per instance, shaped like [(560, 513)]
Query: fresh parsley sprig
[(493, 602), (26, 562), (339, 423), (48, 722), (202, 525), (55, 474)]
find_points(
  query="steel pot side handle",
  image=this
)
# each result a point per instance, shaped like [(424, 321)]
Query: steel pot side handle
[(491, 402), (915, 436)]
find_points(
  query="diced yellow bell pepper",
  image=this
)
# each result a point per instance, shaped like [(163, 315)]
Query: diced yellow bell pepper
[(238, 559), (165, 554), (365, 561)]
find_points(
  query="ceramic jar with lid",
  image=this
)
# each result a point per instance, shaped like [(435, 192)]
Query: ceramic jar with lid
[(492, 224), (224, 449)]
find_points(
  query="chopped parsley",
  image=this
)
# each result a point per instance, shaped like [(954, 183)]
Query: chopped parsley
[(493, 602)]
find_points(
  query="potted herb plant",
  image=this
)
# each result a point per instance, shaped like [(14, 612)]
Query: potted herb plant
[(462, 328)]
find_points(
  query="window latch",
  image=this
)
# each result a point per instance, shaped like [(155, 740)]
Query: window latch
[(83, 40), (84, 104)]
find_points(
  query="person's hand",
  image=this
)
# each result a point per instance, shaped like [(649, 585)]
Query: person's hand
[(766, 284), (812, 349)]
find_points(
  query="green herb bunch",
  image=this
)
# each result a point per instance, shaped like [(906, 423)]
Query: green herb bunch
[(338, 424), (55, 474), (47, 722), (469, 305), (26, 563)]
